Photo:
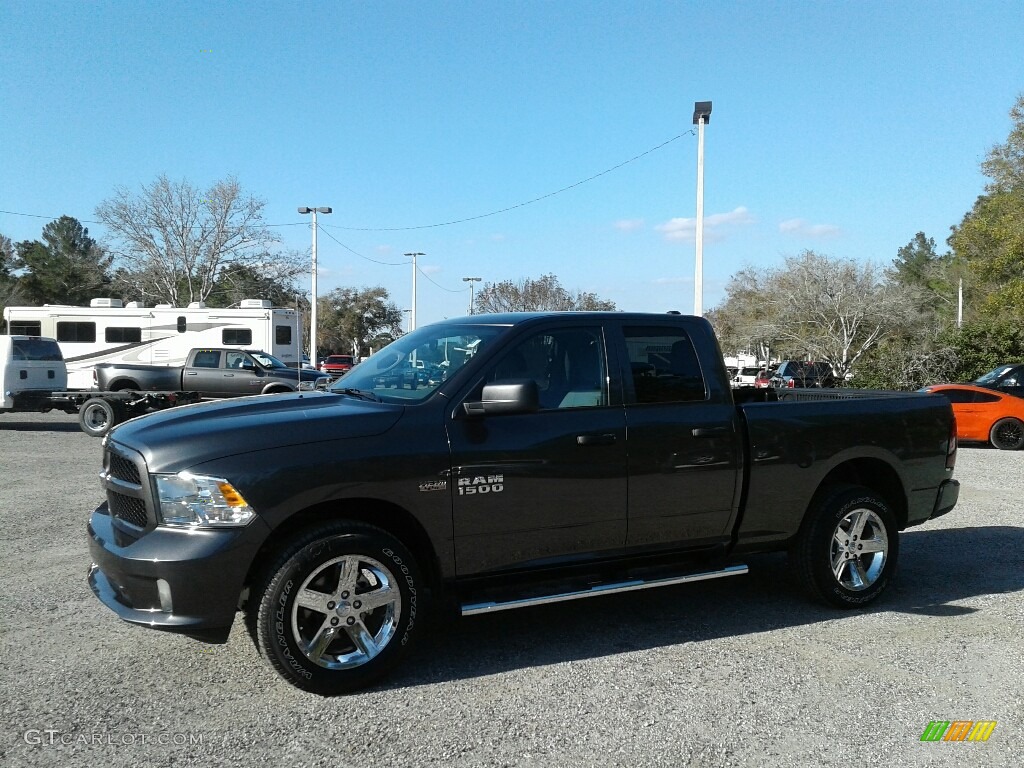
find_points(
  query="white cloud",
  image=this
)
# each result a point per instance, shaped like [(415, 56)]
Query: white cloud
[(673, 281), (715, 225), (384, 250), (429, 269), (801, 228), (629, 225)]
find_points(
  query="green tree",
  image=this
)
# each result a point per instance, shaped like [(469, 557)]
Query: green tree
[(238, 281), (981, 345), (1004, 164), (989, 242), (8, 281), (545, 294), (67, 267), (920, 268), (173, 239), (351, 319)]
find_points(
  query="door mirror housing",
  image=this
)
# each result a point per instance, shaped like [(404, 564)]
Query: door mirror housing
[(504, 397)]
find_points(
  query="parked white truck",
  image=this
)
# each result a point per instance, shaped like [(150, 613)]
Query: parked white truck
[(34, 378)]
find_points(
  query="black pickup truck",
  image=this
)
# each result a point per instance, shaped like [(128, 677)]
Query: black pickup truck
[(561, 455), (212, 372)]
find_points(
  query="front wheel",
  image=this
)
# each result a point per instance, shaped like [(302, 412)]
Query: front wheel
[(1007, 434), (340, 608), (846, 552)]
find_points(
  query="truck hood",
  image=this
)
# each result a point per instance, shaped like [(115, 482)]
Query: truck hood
[(188, 435)]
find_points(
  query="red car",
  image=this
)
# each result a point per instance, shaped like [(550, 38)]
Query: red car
[(985, 416), (763, 379), (336, 365)]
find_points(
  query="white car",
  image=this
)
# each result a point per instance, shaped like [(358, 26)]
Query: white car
[(745, 377)]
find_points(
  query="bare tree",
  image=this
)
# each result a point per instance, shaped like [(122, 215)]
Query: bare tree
[(172, 239), (745, 322), (834, 310), (544, 294), (817, 307)]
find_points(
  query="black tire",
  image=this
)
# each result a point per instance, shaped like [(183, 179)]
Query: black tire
[(330, 646), (98, 416), (846, 551), (1007, 434)]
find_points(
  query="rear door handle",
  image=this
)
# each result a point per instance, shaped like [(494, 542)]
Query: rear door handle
[(709, 431), (595, 439)]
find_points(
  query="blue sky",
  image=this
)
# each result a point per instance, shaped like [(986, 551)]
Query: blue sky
[(843, 127)]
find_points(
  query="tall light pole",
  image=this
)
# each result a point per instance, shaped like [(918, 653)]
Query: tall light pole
[(412, 317), (312, 309), (471, 280), (701, 116)]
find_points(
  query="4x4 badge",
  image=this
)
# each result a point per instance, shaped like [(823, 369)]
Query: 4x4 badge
[(434, 485)]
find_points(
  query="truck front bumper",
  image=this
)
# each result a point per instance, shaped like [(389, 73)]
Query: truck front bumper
[(186, 581)]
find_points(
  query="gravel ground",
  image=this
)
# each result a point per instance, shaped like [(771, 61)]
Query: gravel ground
[(739, 672)]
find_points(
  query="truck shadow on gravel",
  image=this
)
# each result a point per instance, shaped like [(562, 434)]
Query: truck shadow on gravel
[(39, 426), (937, 569)]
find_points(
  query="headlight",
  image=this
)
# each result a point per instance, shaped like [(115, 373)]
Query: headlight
[(307, 385), (198, 501)]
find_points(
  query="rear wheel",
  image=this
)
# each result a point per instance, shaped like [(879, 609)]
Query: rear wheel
[(1007, 434), (98, 416), (846, 552), (340, 607)]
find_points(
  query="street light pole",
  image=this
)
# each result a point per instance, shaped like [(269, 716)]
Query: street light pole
[(312, 309), (701, 116), (471, 280), (412, 317)]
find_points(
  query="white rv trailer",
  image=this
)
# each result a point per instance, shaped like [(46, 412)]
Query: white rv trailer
[(108, 331)]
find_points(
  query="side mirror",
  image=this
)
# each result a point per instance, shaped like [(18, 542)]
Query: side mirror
[(508, 396)]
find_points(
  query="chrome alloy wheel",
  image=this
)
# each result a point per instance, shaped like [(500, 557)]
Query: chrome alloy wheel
[(346, 612), (859, 549)]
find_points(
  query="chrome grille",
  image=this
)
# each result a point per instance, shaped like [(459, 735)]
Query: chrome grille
[(127, 508)]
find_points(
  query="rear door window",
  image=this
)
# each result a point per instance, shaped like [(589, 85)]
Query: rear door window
[(44, 350), (664, 365), (206, 359)]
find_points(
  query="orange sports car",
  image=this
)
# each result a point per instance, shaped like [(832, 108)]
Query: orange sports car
[(984, 415)]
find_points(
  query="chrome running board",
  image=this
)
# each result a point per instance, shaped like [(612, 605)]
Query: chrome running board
[(472, 609)]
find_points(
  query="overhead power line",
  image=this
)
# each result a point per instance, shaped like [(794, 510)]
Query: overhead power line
[(523, 204), (393, 264), (361, 256)]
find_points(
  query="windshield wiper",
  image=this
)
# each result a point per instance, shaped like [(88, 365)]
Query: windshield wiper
[(358, 393)]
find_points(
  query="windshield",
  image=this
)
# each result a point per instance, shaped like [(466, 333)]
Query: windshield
[(994, 375), (411, 368), (267, 361)]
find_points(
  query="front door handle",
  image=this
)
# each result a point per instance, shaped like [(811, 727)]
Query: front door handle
[(709, 431), (595, 439)]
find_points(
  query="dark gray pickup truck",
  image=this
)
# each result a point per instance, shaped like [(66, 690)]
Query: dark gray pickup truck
[(212, 372), (552, 457)]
